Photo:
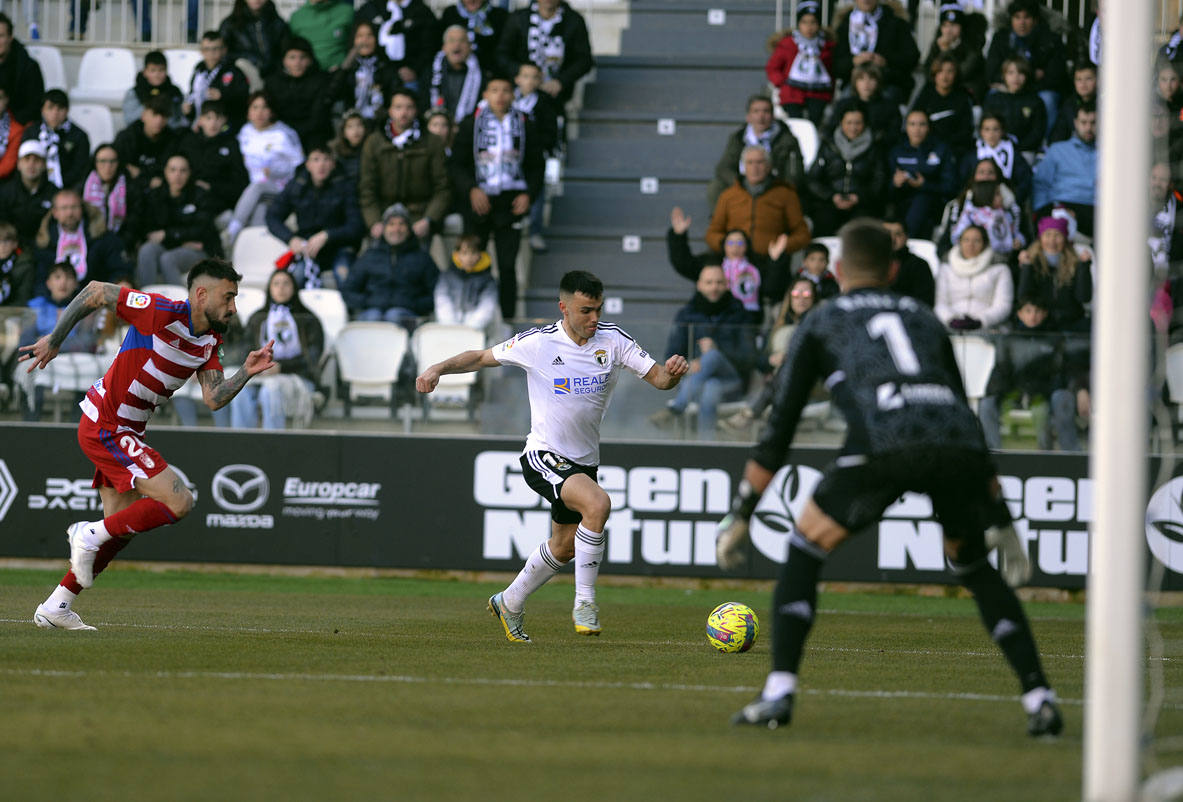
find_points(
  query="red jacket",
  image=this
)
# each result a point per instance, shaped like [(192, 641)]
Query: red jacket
[(781, 61), (8, 159)]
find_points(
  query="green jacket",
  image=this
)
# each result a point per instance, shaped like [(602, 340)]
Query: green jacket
[(414, 176), (327, 25)]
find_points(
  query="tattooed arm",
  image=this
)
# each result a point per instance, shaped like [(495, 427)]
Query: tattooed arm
[(93, 296), (217, 390)]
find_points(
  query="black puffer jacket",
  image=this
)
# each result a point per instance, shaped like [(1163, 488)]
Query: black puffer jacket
[(186, 218), (20, 78), (303, 103), (331, 208), (259, 39), (217, 161), (865, 175)]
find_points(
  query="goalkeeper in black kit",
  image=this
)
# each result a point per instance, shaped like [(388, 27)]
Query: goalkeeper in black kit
[(889, 367)]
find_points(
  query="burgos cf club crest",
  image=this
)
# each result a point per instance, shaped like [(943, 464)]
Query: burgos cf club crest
[(563, 386), (601, 357)]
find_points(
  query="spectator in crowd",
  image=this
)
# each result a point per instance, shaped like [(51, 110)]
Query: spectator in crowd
[(328, 221), (215, 158), (974, 290), (394, 280), (346, 146), (1052, 270), (366, 76), (1172, 49), (1084, 91), (176, 223), (849, 177), (948, 106), (876, 33), (27, 196), (1028, 36), (761, 130), (140, 8), (802, 65), (217, 78), (1018, 105), (67, 147), (326, 25), (284, 393), (11, 132), (552, 35), (923, 176), (815, 268), (466, 293), (16, 269), (744, 279), (456, 80), (913, 276), (962, 38), (882, 114), (145, 144), (440, 123), (402, 164), (1068, 173), (1028, 374), (1166, 89), (996, 144), (761, 206), (989, 203), (542, 110), (300, 94), (106, 188), (716, 329), (483, 23), (61, 285), (73, 232), (254, 31), (1166, 224), (497, 167), (409, 33), (271, 152), (153, 81), (20, 76)]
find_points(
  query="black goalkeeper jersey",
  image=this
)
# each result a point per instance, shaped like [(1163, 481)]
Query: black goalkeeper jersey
[(889, 367)]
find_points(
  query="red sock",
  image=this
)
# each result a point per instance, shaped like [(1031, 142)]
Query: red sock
[(145, 514), (106, 551)]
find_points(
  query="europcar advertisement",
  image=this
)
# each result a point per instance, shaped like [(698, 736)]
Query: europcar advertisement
[(461, 503)]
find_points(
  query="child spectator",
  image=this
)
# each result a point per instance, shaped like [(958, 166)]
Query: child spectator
[(67, 147), (802, 64), (996, 144), (176, 221), (440, 123), (974, 289), (961, 37), (849, 177), (217, 78), (1084, 85), (215, 158), (1026, 34), (11, 132), (145, 144), (271, 152), (16, 269), (743, 277), (106, 188), (948, 105), (1051, 269), (923, 176), (875, 33), (300, 94), (541, 109), (394, 280), (882, 115), (153, 81), (815, 268), (366, 77), (1019, 106), (346, 146), (466, 293), (60, 287)]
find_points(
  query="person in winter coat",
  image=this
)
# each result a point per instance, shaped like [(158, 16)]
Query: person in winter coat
[(254, 31), (271, 152), (996, 144), (215, 157), (456, 78), (802, 65), (346, 146), (366, 76), (176, 222), (1084, 91), (1052, 270), (145, 144), (763, 131), (16, 270), (300, 94), (876, 32), (849, 177), (11, 132), (760, 206), (408, 32), (1026, 33), (948, 106), (722, 354), (151, 81), (554, 36), (923, 176), (882, 114), (1068, 173), (974, 290), (743, 277), (216, 77), (27, 196), (67, 147), (61, 285), (1019, 106), (328, 220), (484, 23), (20, 76), (395, 279), (914, 276), (466, 293), (961, 37), (74, 233), (106, 188)]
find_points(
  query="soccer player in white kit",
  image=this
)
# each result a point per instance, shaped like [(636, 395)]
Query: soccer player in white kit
[(571, 368)]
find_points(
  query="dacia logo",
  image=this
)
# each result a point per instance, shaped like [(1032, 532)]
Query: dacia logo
[(240, 488), (563, 386)]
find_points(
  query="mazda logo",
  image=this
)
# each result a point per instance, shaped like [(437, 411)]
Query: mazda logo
[(240, 488)]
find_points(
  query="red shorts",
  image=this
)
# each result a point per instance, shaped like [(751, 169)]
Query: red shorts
[(119, 459)]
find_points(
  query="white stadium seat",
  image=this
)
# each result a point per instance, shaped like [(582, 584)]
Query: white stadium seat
[(975, 358), (255, 252), (926, 250), (104, 76), (96, 120), (329, 308), (435, 342), (807, 138), (369, 355), (53, 67), (181, 62), (249, 301)]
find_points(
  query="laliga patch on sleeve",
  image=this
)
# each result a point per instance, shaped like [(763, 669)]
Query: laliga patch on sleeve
[(138, 300)]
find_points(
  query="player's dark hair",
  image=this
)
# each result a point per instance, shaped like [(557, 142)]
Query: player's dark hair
[(581, 281), (155, 57), (56, 97), (866, 248), (816, 247), (214, 268)]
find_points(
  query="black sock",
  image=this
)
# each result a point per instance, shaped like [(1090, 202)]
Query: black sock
[(1003, 617), (794, 603)]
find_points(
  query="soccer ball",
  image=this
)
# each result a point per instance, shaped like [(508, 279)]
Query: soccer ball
[(732, 627)]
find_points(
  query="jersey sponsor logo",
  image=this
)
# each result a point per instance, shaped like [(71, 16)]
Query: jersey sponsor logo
[(240, 488), (601, 357), (138, 300), (581, 385), (558, 361), (8, 489), (563, 386)]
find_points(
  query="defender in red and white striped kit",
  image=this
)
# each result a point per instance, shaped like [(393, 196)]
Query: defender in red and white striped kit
[(167, 342)]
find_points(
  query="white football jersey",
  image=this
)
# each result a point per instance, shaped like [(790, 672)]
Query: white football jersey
[(570, 385)]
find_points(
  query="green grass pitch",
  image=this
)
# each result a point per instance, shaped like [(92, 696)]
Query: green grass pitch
[(244, 687)]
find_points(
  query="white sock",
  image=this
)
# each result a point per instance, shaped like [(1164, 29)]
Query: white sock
[(778, 684), (540, 566), (589, 549), (95, 534), (61, 598), (1034, 699)]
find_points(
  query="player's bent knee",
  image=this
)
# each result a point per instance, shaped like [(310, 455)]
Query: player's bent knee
[(180, 504)]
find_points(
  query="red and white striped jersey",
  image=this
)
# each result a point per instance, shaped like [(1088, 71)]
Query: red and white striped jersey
[(158, 355)]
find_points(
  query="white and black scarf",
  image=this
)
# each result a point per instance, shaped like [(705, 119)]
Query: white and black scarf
[(864, 30), (1171, 49), (499, 149), (406, 138), (807, 71), (1003, 154), (470, 92), (367, 95), (395, 43), (53, 157), (546, 49), (477, 21), (281, 327), (1095, 42), (203, 79), (763, 140), (1162, 228), (525, 103), (5, 131), (7, 267)]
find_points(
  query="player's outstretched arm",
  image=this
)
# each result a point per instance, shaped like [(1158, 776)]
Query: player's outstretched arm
[(464, 362), (217, 391), (93, 296), (667, 376)]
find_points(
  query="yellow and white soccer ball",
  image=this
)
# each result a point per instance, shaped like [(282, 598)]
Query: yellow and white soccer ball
[(732, 627)]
